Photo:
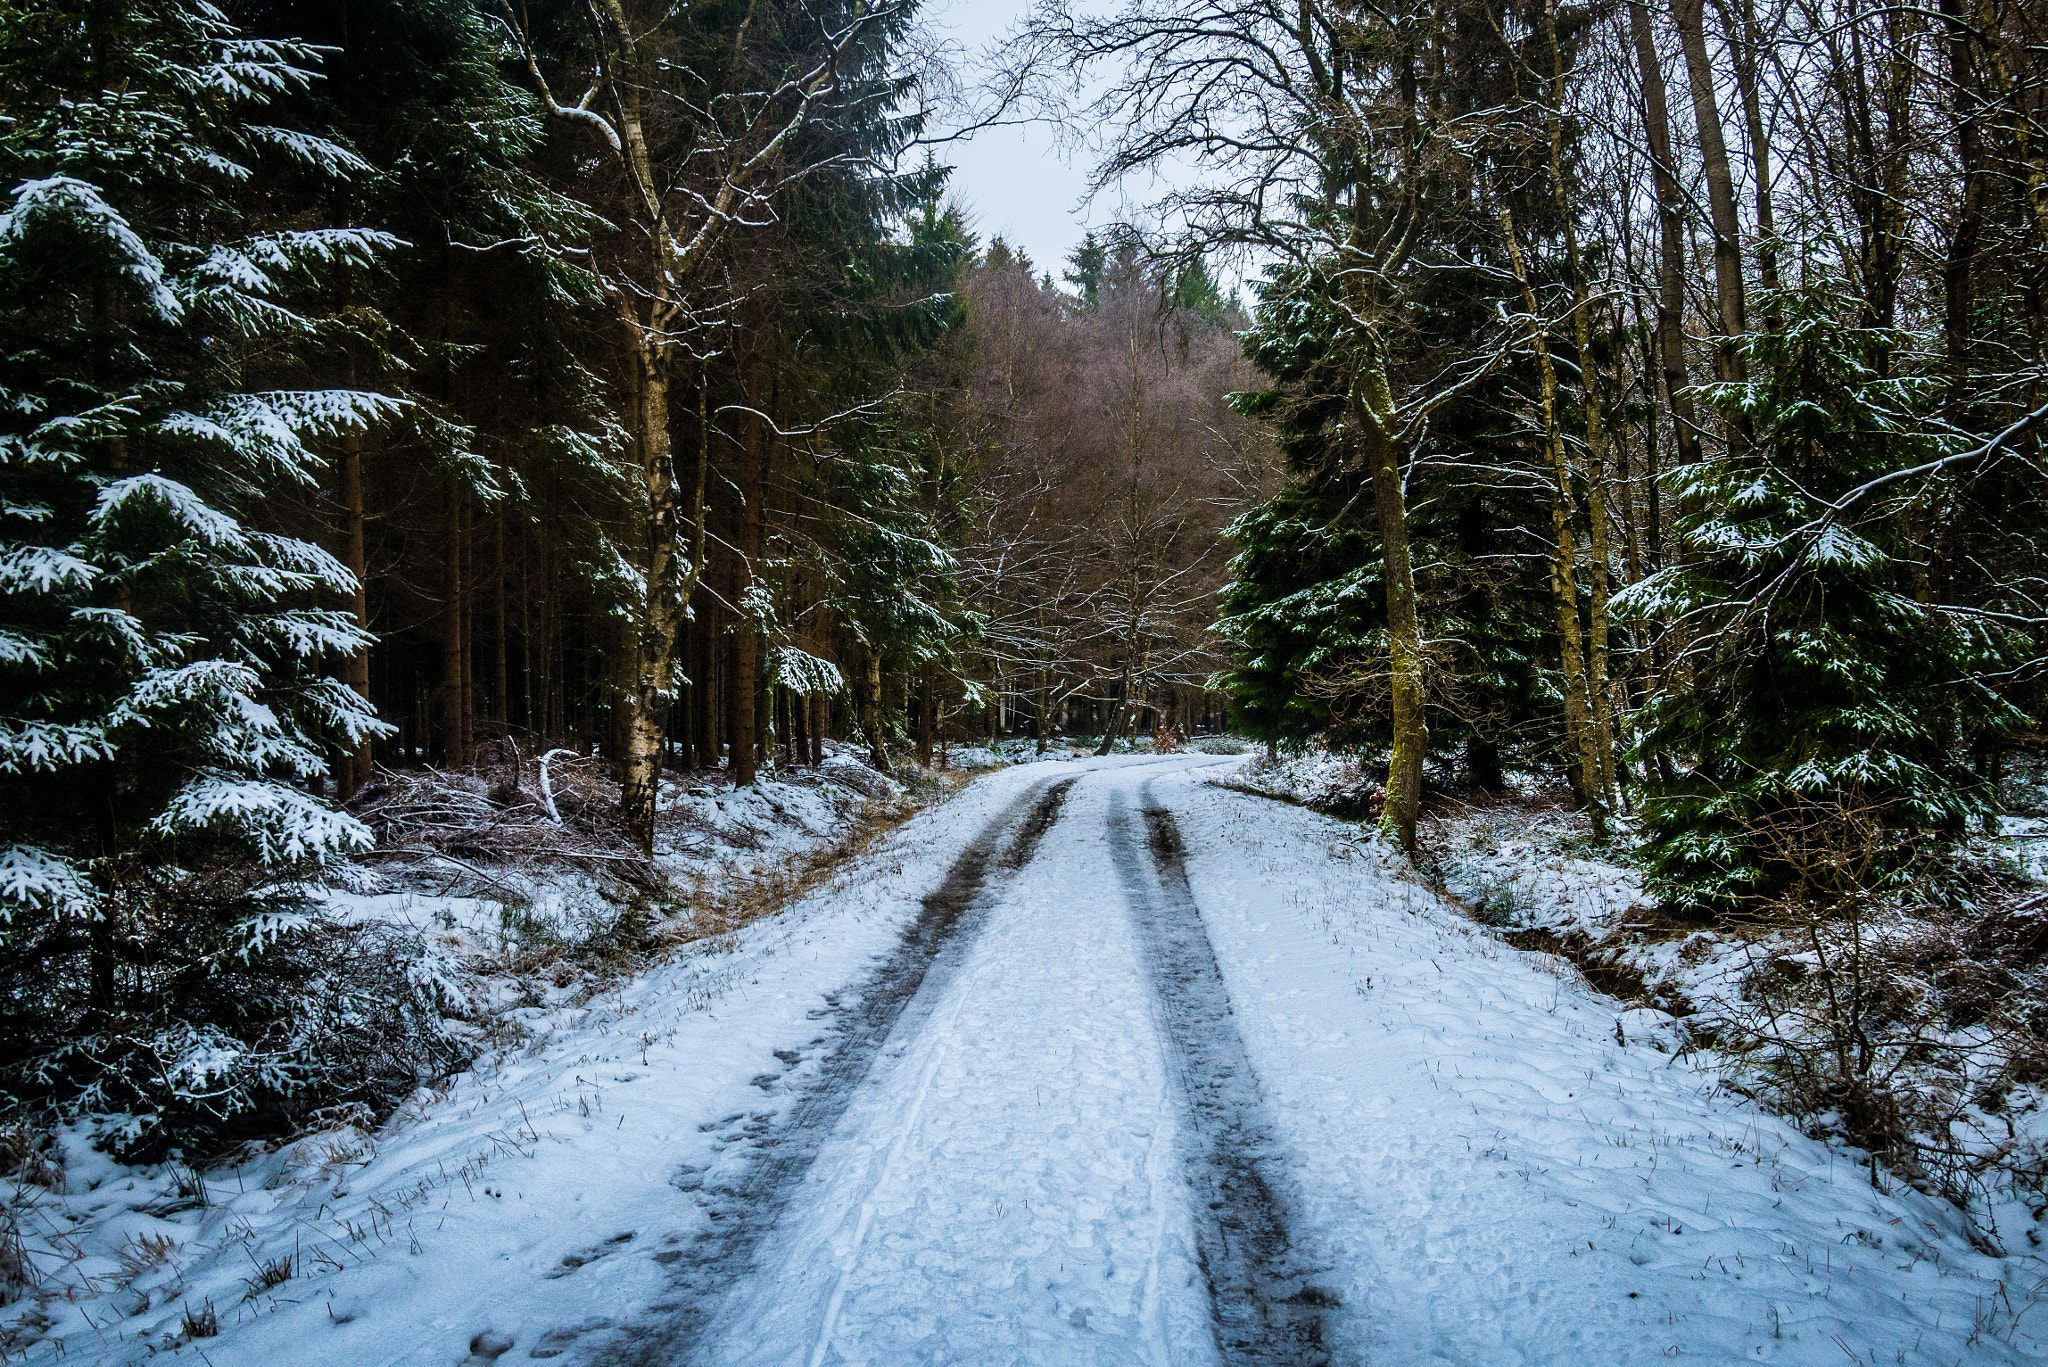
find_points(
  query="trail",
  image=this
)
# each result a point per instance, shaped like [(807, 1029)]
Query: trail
[(1102, 1063), (1046, 1146)]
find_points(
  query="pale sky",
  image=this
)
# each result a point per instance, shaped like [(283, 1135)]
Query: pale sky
[(1016, 183)]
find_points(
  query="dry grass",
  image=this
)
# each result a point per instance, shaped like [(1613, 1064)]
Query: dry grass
[(756, 899), (143, 1252), (478, 825)]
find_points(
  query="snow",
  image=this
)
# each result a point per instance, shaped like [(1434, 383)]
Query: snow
[(1484, 1161), (1501, 1181)]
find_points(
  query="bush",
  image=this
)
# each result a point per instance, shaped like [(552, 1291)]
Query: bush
[(238, 1016)]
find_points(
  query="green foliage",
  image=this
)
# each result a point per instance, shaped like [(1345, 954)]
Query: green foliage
[(1306, 608), (1809, 670), (168, 689)]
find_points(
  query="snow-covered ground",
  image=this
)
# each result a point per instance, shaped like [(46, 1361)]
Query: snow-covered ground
[(1474, 1159)]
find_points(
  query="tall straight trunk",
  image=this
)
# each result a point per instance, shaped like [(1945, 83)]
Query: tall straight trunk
[(1730, 299), (871, 707), (1578, 720), (746, 654), (1372, 409), (671, 573), (1671, 244), (1745, 42), (927, 694), (821, 721), (1959, 269), (2022, 115), (501, 683), (799, 728), (1597, 456), (650, 674), (472, 703), (703, 632), (454, 650), (1044, 691), (526, 718), (356, 767)]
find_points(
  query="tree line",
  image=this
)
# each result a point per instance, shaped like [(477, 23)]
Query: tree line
[(1661, 388)]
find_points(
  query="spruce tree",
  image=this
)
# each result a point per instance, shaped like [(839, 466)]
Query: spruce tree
[(169, 695), (1811, 673)]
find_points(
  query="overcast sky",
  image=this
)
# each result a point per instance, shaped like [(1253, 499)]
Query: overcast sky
[(1015, 182)]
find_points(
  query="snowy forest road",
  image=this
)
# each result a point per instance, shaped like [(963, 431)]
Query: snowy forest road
[(1098, 1062), (1055, 1028), (1163, 1073)]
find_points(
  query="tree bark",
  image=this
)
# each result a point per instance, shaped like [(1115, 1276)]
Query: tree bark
[(454, 650), (1671, 244), (871, 708), (501, 676), (1598, 617), (927, 695), (357, 766), (1372, 409), (1730, 297), (1745, 42), (1959, 269), (1579, 730), (653, 636)]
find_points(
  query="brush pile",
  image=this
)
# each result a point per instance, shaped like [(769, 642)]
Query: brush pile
[(481, 825)]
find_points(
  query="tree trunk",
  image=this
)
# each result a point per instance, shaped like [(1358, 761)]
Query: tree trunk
[(927, 695), (356, 767), (501, 681), (1372, 406), (1671, 246), (645, 699), (1579, 730), (1745, 42), (871, 708), (1729, 296), (1958, 272), (746, 654), (1602, 711), (454, 650)]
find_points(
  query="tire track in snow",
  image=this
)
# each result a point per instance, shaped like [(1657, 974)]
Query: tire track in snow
[(739, 1212), (1265, 1308)]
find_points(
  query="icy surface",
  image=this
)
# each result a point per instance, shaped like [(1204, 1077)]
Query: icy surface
[(1484, 1162)]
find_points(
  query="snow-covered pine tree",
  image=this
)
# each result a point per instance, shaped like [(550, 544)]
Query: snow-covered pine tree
[(1808, 671), (168, 697)]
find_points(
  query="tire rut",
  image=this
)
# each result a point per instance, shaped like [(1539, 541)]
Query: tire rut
[(1264, 1305), (740, 1210)]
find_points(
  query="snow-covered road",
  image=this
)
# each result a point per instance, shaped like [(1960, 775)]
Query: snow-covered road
[(1102, 1063), (1348, 1127)]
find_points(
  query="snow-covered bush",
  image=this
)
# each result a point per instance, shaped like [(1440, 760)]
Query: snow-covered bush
[(169, 689)]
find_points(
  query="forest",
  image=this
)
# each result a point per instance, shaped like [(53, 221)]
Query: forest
[(1648, 398)]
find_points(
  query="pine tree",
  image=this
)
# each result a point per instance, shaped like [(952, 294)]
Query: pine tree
[(1814, 674), (170, 692)]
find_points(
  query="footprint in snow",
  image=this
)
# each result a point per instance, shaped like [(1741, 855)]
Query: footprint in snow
[(558, 1340), (584, 1256)]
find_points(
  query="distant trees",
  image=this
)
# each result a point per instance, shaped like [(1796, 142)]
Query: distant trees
[(1563, 309)]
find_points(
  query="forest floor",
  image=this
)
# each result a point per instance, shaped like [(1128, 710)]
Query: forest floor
[(1098, 1061)]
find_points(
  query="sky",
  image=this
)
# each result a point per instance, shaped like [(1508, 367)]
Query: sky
[(1015, 182)]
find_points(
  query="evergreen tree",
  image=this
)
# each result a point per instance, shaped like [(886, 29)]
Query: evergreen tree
[(1811, 674), (1305, 611), (170, 690), (1088, 262)]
